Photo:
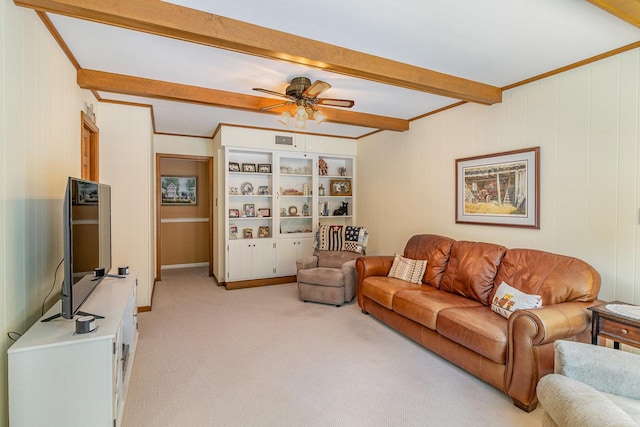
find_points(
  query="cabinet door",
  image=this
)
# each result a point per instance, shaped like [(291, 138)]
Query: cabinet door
[(239, 260), (262, 258), (250, 259), (288, 251)]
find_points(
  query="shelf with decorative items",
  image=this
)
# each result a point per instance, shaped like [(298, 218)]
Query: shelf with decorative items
[(249, 197), (294, 200), (273, 203), (335, 190)]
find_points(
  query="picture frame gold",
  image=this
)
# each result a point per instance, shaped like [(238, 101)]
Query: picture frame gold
[(340, 187)]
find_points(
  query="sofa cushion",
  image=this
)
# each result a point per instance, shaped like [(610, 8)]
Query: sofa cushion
[(508, 299), (477, 328), (381, 289), (471, 269), (556, 278), (322, 276), (435, 249), (407, 269), (422, 306)]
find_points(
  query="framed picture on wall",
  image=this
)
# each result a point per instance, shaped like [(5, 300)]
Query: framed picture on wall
[(499, 189), (179, 190)]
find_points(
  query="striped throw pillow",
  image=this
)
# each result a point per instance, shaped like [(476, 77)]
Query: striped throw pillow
[(409, 270)]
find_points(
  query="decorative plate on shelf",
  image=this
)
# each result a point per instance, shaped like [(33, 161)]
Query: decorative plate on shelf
[(247, 188), (293, 210)]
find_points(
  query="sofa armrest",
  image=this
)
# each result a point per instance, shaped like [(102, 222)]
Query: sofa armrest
[(552, 322), (307, 262), (605, 369), (572, 403), (371, 266), (530, 334)]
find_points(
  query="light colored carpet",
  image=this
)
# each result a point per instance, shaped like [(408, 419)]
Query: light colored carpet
[(261, 357)]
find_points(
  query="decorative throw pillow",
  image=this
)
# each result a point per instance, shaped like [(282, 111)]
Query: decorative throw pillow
[(409, 270), (508, 299)]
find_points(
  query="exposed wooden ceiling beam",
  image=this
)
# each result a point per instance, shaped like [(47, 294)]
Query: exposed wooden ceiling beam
[(169, 20), (118, 83), (627, 10)]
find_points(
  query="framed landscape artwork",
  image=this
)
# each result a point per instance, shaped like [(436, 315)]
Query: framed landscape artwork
[(179, 190), (499, 189)]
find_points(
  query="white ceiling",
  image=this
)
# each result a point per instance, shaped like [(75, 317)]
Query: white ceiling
[(497, 42)]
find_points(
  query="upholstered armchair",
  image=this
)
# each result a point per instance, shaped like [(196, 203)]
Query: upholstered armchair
[(329, 275), (591, 386)]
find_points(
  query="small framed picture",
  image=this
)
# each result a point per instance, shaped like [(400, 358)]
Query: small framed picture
[(233, 231), (264, 212), (249, 209), (340, 187), (248, 167), (263, 190), (234, 213), (234, 167), (264, 168), (263, 231), (248, 233)]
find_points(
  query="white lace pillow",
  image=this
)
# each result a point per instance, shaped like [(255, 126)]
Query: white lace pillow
[(508, 299), (409, 270)]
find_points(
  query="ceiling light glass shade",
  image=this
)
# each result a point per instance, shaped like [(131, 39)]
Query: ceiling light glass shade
[(301, 117), (301, 113), (284, 118), (319, 117)]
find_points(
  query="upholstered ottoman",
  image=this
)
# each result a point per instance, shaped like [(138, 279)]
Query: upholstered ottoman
[(328, 285)]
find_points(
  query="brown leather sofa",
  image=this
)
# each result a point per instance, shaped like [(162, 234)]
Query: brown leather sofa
[(450, 312)]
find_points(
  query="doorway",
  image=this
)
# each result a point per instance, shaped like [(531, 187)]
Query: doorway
[(90, 149), (184, 212)]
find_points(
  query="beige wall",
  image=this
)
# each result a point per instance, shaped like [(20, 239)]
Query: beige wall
[(587, 123), (40, 107), (126, 163)]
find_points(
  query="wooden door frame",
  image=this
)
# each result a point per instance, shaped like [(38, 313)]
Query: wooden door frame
[(94, 147), (159, 157)]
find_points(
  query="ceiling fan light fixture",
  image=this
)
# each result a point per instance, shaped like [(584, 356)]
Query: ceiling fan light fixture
[(284, 118), (319, 117), (301, 117)]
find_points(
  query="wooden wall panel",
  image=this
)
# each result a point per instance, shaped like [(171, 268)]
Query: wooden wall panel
[(39, 149), (185, 243), (587, 123)]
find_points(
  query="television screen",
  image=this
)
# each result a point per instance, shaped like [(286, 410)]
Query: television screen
[(87, 241)]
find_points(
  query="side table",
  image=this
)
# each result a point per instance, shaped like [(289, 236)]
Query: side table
[(617, 321)]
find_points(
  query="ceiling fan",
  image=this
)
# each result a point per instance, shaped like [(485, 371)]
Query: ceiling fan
[(304, 95)]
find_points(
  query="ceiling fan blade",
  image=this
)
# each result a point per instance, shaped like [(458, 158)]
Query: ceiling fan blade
[(270, 92), (316, 89), (346, 103), (277, 105)]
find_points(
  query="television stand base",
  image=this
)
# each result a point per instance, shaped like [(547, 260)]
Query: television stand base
[(79, 313)]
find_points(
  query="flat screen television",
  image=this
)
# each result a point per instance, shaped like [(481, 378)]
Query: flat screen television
[(87, 241)]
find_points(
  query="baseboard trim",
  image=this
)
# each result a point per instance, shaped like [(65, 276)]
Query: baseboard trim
[(242, 284), (190, 265)]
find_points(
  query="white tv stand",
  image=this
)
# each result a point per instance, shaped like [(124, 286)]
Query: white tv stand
[(60, 378)]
